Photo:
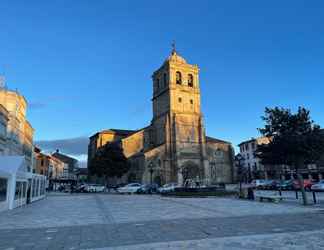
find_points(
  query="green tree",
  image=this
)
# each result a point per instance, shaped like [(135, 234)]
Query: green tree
[(294, 140), (109, 161)]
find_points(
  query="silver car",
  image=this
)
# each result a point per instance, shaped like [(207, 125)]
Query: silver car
[(131, 188), (318, 186), (169, 187)]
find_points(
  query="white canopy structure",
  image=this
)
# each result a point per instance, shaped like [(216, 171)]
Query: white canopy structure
[(13, 181), (12, 165), (16, 183)]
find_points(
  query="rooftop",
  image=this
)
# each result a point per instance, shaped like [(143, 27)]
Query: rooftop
[(115, 131), (63, 157), (212, 139)]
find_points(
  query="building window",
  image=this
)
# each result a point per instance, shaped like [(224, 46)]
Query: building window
[(247, 147), (253, 145), (165, 79), (190, 80), (178, 77), (20, 190), (248, 156), (3, 189), (180, 99), (191, 101)]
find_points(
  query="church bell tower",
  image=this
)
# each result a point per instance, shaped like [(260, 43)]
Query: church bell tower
[(177, 119)]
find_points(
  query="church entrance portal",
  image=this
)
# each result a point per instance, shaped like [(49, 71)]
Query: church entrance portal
[(190, 172), (157, 180)]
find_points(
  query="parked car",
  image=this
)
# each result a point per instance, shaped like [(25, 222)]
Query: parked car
[(94, 188), (148, 188), (67, 189), (318, 186), (129, 188), (285, 185), (307, 184), (61, 188), (81, 188), (258, 183), (169, 187), (270, 184)]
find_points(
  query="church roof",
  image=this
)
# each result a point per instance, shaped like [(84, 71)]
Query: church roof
[(212, 139), (122, 131), (115, 131)]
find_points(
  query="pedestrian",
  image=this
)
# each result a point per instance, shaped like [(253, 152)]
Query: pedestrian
[(250, 193)]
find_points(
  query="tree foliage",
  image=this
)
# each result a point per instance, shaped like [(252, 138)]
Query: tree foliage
[(294, 138), (109, 161)]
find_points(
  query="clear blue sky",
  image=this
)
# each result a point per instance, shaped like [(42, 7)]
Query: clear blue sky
[(87, 65)]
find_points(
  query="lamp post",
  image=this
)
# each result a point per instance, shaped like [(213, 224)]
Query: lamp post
[(151, 171), (239, 160)]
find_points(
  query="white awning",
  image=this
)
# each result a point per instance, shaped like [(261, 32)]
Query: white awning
[(13, 165)]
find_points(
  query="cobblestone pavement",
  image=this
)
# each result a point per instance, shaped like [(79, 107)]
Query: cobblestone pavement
[(95, 221)]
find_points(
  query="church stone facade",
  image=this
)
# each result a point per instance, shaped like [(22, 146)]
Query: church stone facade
[(174, 147)]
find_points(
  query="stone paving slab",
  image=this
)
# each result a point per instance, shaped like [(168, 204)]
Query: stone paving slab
[(127, 234), (63, 210), (313, 240), (85, 209), (99, 221)]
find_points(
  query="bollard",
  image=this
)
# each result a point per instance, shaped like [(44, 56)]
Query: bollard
[(280, 192), (314, 197), (296, 194)]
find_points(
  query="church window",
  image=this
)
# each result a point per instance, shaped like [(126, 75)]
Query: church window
[(178, 77), (190, 80), (191, 101), (180, 99), (158, 83), (165, 79)]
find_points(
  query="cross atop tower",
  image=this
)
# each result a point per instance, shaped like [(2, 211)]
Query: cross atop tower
[(173, 47)]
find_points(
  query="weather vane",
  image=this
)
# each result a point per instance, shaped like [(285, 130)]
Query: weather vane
[(2, 82)]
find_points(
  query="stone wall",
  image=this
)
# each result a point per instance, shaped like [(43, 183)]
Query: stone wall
[(220, 157), (133, 144)]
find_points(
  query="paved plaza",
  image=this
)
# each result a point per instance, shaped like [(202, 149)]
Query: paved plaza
[(110, 221)]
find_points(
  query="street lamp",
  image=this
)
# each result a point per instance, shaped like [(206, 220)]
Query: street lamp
[(239, 161), (151, 171)]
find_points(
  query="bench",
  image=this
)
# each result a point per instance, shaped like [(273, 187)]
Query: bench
[(270, 196)]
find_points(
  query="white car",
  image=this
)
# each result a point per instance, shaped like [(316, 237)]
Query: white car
[(169, 187), (318, 186), (258, 183), (94, 188), (130, 188)]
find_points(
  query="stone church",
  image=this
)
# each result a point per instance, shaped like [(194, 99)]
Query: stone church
[(174, 147)]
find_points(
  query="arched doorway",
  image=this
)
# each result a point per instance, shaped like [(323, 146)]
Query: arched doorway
[(157, 180), (190, 171)]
